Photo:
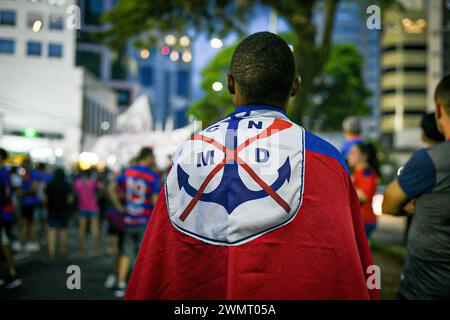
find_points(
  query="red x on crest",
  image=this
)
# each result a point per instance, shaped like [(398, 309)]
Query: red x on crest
[(277, 126)]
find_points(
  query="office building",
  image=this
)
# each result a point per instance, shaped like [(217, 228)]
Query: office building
[(42, 93), (403, 74)]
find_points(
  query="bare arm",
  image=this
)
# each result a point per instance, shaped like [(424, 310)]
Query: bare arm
[(394, 198), (114, 196), (361, 195)]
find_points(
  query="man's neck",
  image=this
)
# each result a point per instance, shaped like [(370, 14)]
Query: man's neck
[(143, 164), (244, 104), (351, 136)]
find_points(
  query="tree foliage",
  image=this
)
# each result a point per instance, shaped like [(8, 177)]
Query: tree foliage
[(338, 93), (214, 105), (135, 18), (139, 20)]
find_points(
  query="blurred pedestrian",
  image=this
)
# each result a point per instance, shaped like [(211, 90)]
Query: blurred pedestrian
[(140, 185), (430, 136), (363, 162), (86, 188), (29, 201), (426, 178), (115, 235), (58, 193), (41, 213), (352, 134), (11, 280)]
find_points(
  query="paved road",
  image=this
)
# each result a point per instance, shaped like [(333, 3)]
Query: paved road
[(46, 279), (390, 230)]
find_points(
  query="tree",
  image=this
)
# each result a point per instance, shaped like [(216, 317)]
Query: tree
[(135, 18), (138, 19), (214, 105), (339, 92)]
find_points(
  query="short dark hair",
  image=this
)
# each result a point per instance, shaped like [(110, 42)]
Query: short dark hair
[(263, 66), (3, 154), (145, 153), (370, 150), (430, 129), (442, 93)]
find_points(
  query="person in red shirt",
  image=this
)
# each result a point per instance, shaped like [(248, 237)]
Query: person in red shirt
[(363, 162)]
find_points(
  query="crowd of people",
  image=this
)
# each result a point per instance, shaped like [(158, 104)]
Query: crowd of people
[(39, 204)]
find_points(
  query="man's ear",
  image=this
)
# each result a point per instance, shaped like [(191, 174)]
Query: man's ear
[(231, 84), (438, 111), (295, 86), (438, 116)]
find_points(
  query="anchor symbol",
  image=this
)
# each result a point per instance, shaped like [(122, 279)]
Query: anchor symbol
[(232, 191)]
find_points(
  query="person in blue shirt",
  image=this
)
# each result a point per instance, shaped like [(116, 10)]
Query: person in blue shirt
[(426, 178), (11, 280), (28, 202), (352, 133), (134, 194), (41, 213)]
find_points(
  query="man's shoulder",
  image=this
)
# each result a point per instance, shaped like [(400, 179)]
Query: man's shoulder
[(440, 154), (323, 148), (142, 171)]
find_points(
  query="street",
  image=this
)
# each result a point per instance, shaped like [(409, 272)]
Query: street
[(46, 279)]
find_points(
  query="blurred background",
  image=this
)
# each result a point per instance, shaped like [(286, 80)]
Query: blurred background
[(85, 84)]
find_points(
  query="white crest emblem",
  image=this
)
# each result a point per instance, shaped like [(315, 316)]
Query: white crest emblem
[(238, 179)]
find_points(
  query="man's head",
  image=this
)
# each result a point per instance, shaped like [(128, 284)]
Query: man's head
[(262, 71), (442, 100), (146, 157), (430, 132), (42, 166), (27, 164), (351, 126)]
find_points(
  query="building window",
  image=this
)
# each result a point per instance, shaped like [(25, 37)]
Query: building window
[(55, 50), (34, 48), (7, 17), (123, 97), (7, 46), (56, 22), (35, 21)]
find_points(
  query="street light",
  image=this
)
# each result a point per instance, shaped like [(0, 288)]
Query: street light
[(174, 55), (165, 51), (170, 40), (145, 53), (187, 56), (185, 41), (216, 43), (217, 86)]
